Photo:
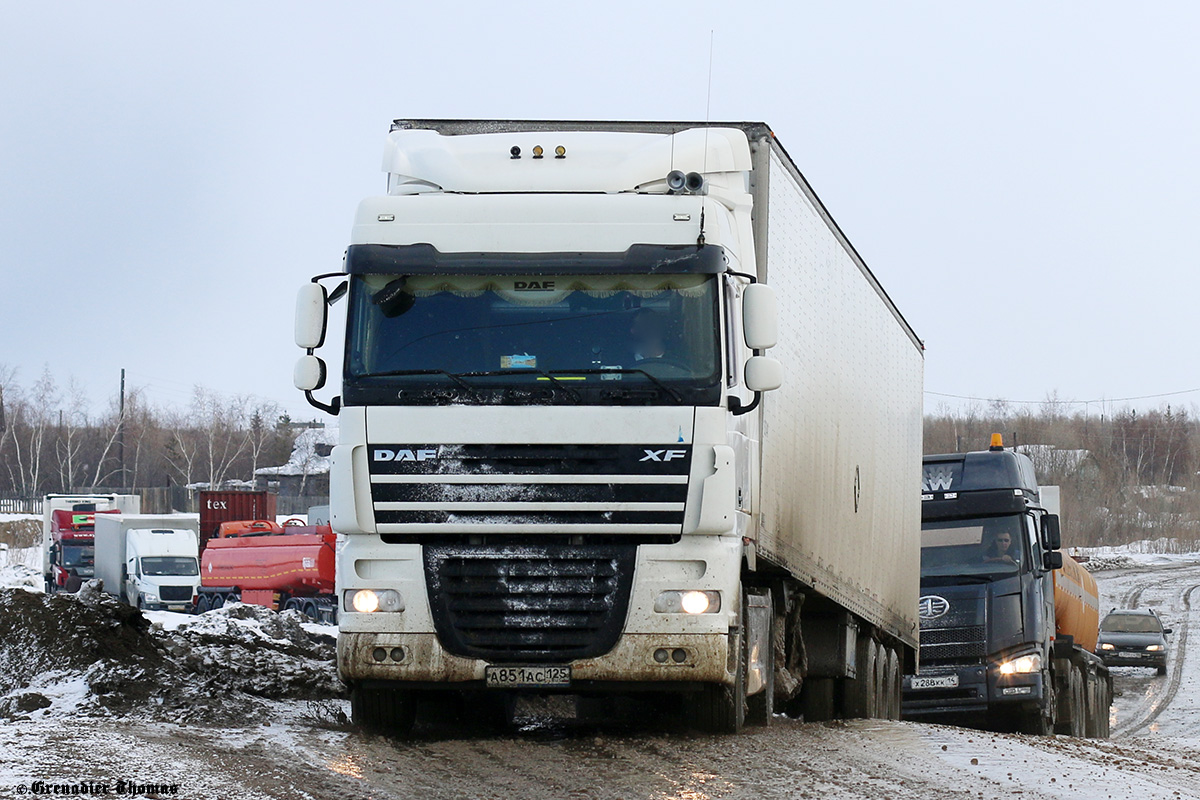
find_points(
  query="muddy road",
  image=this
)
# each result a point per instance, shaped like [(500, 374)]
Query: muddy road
[(304, 751)]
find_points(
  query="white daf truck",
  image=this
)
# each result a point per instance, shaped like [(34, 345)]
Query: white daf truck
[(622, 410)]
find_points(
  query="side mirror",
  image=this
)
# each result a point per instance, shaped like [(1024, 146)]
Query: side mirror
[(1167, 631), (1052, 560), (760, 318), (310, 316), (1051, 532), (763, 374), (309, 374)]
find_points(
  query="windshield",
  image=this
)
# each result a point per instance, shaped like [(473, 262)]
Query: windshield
[(170, 565), (570, 338), (1131, 623), (982, 546), (77, 556)]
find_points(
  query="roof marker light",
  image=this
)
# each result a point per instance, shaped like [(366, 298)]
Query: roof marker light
[(560, 152), (537, 151), (515, 151)]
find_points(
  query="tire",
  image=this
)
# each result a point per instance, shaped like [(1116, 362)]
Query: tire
[(892, 683), (202, 604), (1040, 721), (817, 699), (859, 693), (718, 708), (1162, 669), (880, 682), (383, 711), (760, 708), (311, 611), (1077, 725), (218, 601)]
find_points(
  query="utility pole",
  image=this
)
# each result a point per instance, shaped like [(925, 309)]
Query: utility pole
[(121, 430)]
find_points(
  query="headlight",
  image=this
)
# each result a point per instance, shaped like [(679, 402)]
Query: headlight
[(1154, 648), (147, 597), (1107, 646), (1023, 665), (693, 602), (366, 601)]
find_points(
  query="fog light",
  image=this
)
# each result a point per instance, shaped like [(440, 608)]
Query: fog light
[(679, 655), (379, 654), (661, 656), (397, 654)]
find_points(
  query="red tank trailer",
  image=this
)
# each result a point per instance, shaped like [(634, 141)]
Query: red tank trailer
[(277, 566)]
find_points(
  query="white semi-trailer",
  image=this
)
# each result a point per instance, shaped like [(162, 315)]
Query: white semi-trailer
[(567, 461)]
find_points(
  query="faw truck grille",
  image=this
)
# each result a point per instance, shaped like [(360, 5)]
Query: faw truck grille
[(951, 644), (539, 604), (529, 488)]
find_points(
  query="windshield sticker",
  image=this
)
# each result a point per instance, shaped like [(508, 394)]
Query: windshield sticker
[(940, 477), (519, 361)]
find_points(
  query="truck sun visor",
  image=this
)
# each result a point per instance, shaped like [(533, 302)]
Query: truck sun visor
[(425, 259)]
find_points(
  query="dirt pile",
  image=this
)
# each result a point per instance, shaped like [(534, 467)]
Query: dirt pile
[(20, 533), (217, 669)]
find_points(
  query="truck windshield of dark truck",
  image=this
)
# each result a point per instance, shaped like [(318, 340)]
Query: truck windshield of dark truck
[(979, 546), (570, 339)]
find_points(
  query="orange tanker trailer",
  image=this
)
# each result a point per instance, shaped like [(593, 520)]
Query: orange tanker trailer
[(289, 566)]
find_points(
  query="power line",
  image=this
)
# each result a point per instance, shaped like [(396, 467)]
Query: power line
[(1063, 402)]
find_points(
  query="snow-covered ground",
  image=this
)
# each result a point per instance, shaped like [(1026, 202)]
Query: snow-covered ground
[(280, 745)]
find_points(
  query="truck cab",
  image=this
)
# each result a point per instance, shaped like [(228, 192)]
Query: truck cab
[(987, 607), (161, 569)]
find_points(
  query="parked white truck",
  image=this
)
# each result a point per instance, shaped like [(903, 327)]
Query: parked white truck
[(150, 560), (567, 463)]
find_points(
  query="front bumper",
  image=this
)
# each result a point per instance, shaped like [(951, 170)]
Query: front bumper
[(423, 660), (978, 688), (1119, 658)]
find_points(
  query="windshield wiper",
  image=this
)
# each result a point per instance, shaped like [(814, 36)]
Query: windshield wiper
[(676, 396), (392, 373), (555, 382)]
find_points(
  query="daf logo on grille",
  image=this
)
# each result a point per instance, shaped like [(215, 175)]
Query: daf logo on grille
[(931, 607)]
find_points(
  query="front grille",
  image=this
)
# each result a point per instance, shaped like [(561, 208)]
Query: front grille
[(942, 644), (476, 488), (541, 604), (175, 593)]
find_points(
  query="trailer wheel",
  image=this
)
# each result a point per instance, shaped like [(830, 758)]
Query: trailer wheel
[(311, 611), (860, 693), (383, 711), (1074, 709), (892, 686), (879, 681)]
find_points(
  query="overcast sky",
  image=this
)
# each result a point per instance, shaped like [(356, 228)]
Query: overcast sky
[(1022, 177)]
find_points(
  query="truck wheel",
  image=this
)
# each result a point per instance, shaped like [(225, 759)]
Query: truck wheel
[(860, 692), (718, 708), (1077, 719), (202, 604), (218, 601), (311, 611), (383, 711), (880, 682), (817, 699)]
